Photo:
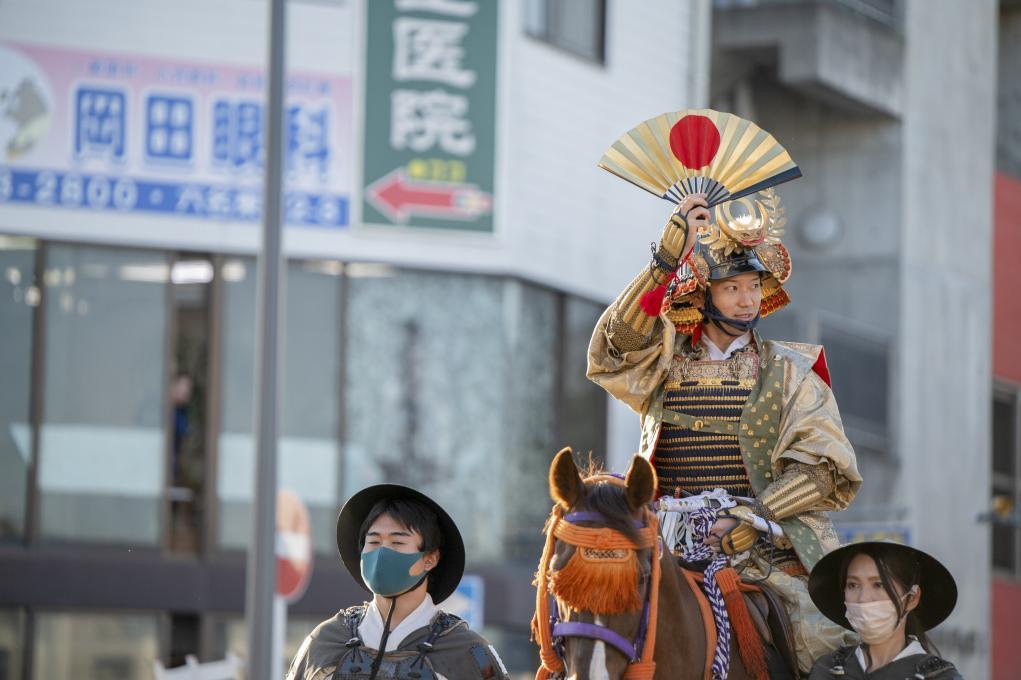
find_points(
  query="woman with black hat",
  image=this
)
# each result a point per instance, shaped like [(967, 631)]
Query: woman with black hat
[(890, 595), (404, 548)]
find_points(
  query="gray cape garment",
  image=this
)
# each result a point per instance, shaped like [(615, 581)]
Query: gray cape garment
[(444, 650), (844, 664)]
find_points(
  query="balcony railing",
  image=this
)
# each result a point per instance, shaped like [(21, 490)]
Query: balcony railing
[(886, 12)]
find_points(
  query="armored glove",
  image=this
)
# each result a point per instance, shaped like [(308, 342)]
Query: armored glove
[(799, 489)]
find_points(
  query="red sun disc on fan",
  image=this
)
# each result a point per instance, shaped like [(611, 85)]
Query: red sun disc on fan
[(694, 141)]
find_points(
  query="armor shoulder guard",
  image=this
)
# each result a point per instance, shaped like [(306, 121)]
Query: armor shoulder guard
[(935, 667), (352, 616), (834, 662), (445, 622), (803, 357)]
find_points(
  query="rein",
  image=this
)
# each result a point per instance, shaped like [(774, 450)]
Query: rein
[(548, 627)]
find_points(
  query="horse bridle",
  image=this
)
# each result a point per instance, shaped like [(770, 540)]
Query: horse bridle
[(552, 632), (632, 650)]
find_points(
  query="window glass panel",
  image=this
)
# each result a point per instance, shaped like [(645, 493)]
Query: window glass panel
[(101, 467), (530, 367), (309, 457), (230, 636), (1004, 547), (583, 411), (535, 17), (578, 26), (235, 454), (451, 387), (191, 278), (860, 375), (18, 299), (12, 635), (1004, 434), (95, 646)]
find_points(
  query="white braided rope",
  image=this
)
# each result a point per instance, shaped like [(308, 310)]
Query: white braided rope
[(684, 524), (701, 522)]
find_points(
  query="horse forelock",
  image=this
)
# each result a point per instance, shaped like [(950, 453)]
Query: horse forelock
[(610, 502)]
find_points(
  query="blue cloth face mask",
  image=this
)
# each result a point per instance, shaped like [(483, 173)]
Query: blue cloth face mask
[(385, 571)]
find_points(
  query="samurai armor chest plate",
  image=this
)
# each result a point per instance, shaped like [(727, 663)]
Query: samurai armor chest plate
[(694, 461), (395, 666)]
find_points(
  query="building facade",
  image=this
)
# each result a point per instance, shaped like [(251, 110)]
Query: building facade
[(449, 247), (874, 99), (1005, 516)]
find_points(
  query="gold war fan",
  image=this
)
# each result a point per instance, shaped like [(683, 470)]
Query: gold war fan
[(700, 151)]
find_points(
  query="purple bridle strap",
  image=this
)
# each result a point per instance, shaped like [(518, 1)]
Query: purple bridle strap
[(631, 650), (595, 517), (596, 632)]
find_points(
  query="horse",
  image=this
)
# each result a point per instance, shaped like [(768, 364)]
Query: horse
[(611, 602)]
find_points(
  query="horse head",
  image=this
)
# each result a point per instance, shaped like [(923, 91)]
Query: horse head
[(599, 566)]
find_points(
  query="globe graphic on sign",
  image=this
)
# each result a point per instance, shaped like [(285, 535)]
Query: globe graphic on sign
[(26, 104)]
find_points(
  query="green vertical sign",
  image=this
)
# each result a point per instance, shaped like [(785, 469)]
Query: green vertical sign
[(430, 114)]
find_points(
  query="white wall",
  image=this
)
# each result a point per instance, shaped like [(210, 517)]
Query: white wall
[(566, 220)]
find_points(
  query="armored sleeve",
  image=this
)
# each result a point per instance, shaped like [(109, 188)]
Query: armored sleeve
[(817, 469), (629, 326)]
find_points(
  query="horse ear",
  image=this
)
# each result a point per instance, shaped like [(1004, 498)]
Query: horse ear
[(641, 483), (565, 484)]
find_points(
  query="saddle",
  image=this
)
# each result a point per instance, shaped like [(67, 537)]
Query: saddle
[(762, 627)]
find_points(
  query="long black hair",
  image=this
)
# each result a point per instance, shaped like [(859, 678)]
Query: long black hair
[(897, 572)]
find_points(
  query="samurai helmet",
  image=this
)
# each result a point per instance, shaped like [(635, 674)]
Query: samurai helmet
[(743, 236)]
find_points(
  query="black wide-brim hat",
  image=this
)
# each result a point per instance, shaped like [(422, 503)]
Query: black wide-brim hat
[(939, 591), (443, 578)]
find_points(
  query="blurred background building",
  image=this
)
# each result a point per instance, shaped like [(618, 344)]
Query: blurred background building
[(450, 244)]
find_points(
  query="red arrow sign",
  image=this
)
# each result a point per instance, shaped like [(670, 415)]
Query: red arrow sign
[(399, 198)]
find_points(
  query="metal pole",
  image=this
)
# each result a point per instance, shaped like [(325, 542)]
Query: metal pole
[(261, 572)]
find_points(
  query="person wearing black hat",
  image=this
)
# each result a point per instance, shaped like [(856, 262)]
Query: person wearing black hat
[(890, 595), (405, 549)]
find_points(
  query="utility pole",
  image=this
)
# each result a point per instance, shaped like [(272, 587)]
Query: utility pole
[(261, 571)]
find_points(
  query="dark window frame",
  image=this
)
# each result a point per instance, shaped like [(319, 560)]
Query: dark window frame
[(873, 435), (550, 29), (1003, 483)]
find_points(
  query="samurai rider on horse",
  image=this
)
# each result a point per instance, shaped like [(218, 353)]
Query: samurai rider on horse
[(741, 433)]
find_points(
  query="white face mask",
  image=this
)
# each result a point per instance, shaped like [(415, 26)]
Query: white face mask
[(873, 621)]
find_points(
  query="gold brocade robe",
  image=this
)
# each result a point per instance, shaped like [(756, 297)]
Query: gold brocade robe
[(805, 428)]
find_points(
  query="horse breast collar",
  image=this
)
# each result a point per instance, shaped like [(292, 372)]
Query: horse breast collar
[(548, 628)]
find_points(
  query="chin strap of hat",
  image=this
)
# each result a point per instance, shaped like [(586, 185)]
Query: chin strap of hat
[(378, 661), (716, 316)]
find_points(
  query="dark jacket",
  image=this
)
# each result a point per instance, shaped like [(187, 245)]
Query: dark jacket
[(446, 648), (843, 664)]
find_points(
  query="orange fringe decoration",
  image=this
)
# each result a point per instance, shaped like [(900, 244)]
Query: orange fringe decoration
[(749, 644), (603, 539), (600, 586)]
